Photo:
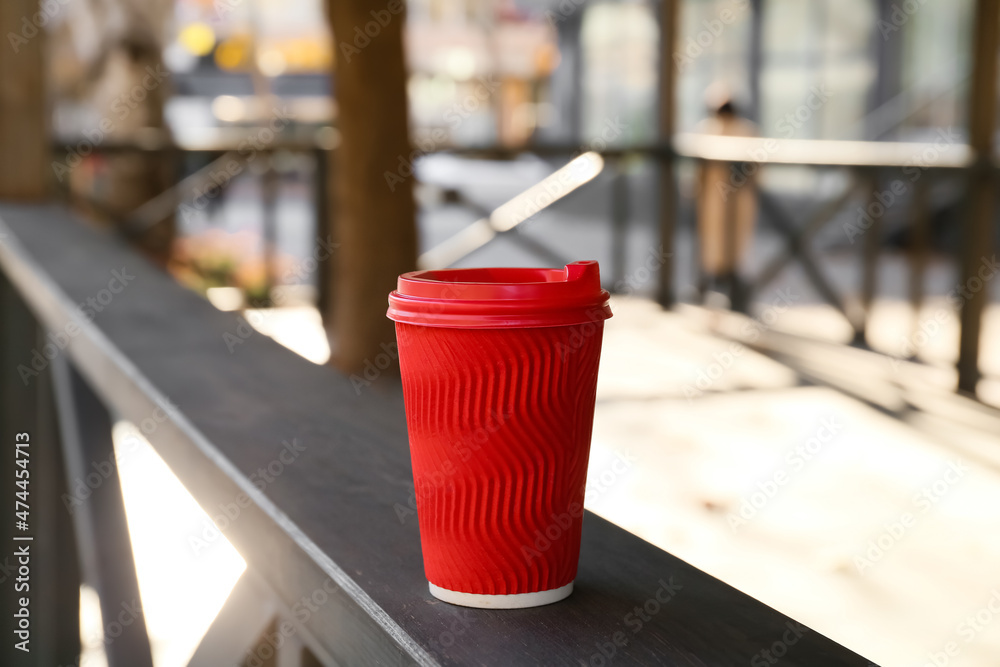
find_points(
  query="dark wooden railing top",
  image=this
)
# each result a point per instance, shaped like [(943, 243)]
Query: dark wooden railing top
[(329, 520)]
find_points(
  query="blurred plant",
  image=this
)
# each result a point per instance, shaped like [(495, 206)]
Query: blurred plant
[(221, 259)]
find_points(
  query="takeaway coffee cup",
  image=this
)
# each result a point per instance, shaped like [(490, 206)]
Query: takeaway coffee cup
[(499, 370)]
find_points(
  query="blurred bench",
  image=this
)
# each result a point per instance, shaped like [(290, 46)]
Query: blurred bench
[(334, 576)]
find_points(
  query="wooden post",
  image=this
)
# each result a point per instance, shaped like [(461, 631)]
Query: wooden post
[(619, 223), (978, 228), (871, 245), (374, 216), (919, 248), (669, 13), (755, 58), (888, 56), (323, 184), (24, 137)]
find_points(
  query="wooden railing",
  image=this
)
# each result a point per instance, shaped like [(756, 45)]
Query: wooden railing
[(333, 577), (873, 167)]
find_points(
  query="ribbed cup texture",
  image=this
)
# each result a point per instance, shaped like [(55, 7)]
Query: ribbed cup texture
[(500, 423)]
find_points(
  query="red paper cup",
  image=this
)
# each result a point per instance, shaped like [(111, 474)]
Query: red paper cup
[(499, 370)]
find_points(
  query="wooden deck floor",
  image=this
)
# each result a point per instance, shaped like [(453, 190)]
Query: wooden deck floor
[(825, 449)]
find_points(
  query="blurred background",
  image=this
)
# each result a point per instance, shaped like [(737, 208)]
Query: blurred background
[(792, 201)]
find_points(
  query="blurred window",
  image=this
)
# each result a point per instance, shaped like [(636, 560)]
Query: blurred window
[(810, 47), (620, 51), (936, 67)]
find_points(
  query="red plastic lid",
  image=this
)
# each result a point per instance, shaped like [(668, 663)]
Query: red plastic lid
[(501, 297)]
